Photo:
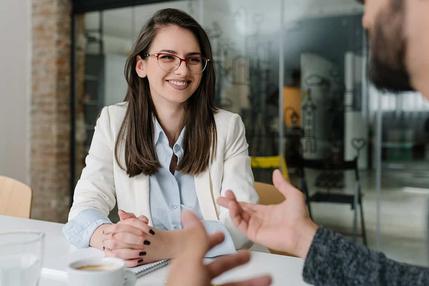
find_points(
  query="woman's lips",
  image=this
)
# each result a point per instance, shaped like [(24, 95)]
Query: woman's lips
[(178, 84)]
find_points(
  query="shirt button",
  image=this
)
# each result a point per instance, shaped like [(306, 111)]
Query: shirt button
[(174, 207), (176, 148)]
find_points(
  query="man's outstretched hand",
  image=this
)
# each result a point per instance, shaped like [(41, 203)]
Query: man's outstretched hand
[(286, 226)]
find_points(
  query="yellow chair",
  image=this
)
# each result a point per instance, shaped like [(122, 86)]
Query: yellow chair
[(270, 162), (269, 195), (15, 198)]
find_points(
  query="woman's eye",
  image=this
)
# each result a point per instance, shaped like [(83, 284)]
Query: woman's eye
[(167, 57), (194, 60)]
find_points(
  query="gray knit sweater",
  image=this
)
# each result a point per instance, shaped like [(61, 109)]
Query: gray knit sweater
[(334, 260)]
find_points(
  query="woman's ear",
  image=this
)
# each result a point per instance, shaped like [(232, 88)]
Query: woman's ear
[(141, 67)]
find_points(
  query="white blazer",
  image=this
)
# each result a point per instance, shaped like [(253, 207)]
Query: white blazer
[(103, 182)]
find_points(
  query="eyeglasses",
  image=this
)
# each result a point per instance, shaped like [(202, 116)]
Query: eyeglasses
[(170, 62)]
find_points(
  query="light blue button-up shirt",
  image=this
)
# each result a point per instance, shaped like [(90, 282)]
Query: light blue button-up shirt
[(169, 195), (172, 192)]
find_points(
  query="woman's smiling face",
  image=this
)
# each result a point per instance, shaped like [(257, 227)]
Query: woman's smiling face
[(175, 86)]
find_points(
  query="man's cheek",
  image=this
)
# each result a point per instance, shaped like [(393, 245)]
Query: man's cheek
[(416, 25)]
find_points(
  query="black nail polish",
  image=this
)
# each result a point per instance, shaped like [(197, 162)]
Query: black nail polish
[(104, 248), (151, 232), (146, 242), (143, 253), (140, 261)]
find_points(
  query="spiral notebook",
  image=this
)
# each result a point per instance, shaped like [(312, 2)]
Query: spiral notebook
[(147, 268)]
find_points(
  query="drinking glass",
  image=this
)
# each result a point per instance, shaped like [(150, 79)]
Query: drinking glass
[(20, 258)]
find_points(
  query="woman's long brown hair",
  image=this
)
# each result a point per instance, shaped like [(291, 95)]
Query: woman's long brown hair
[(137, 130)]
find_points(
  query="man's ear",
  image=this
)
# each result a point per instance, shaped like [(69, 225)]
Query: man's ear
[(141, 67)]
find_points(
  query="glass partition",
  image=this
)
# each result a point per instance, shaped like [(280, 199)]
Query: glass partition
[(246, 42), (403, 160)]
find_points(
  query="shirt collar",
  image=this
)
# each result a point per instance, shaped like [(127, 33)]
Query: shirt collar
[(159, 135), (178, 146), (181, 137), (158, 130)]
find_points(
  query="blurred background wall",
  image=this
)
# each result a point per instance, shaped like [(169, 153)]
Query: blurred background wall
[(15, 88)]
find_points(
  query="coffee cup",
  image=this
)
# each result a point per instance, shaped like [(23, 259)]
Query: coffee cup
[(100, 271)]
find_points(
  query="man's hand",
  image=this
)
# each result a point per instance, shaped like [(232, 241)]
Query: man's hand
[(188, 268), (285, 226)]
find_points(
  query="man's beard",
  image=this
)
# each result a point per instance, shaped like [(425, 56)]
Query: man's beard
[(387, 68)]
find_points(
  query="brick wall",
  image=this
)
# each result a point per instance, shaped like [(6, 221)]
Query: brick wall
[(50, 114)]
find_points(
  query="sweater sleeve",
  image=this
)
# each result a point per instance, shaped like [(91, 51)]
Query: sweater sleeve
[(335, 260)]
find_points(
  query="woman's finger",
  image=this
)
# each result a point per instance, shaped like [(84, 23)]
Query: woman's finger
[(138, 223), (134, 262), (112, 244), (131, 239), (125, 215), (123, 227), (127, 254), (144, 219)]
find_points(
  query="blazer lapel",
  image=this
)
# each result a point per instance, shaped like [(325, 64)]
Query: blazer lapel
[(140, 185), (204, 190)]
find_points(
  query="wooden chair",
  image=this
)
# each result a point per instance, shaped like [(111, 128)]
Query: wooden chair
[(15, 198), (269, 195)]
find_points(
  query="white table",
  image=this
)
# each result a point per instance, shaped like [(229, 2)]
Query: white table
[(58, 253)]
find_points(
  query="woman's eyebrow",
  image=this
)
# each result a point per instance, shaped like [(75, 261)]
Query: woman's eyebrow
[(168, 51), (175, 53)]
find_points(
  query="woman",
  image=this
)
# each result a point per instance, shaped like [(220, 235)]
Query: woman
[(164, 149)]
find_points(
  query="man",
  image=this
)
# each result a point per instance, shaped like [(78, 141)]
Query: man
[(399, 43)]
